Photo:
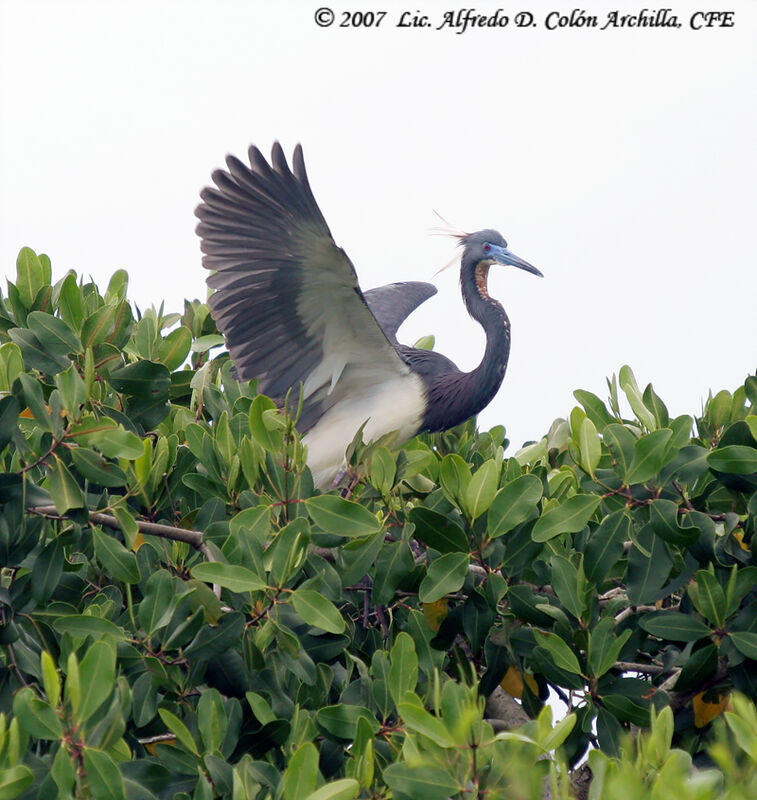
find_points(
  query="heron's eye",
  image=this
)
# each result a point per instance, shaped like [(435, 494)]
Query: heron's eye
[(487, 248)]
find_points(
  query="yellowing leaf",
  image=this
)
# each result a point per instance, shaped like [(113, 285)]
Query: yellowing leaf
[(434, 613), (738, 536), (706, 711), (512, 683)]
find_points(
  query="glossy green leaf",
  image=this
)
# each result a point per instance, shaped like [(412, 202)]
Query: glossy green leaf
[(53, 333), (628, 385), (382, 470), (437, 531), (589, 446), (179, 730), (97, 672), (403, 673), (144, 379), (47, 569), (301, 774), (120, 562), (334, 514), (568, 517), (481, 489), (174, 349), (454, 477), (14, 781), (231, 577), (620, 442), (745, 642), (444, 576), (342, 789), (267, 436), (513, 504), (595, 409), (708, 597), (94, 468), (341, 720), (649, 456), (417, 719), (35, 716), (734, 459), (421, 781), (605, 547), (649, 565), (559, 650), (63, 488), (30, 276), (103, 776), (674, 626), (317, 610)]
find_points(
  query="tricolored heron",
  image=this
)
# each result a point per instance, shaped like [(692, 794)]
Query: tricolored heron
[(288, 301)]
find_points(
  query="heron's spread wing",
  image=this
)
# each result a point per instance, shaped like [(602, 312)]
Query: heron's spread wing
[(393, 304), (286, 297)]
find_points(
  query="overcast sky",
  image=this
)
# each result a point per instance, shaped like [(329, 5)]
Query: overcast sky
[(621, 162)]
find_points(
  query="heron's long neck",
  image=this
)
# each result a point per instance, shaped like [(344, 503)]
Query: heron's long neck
[(486, 378), (455, 397)]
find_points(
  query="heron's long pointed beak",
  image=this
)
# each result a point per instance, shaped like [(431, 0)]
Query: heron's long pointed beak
[(503, 256)]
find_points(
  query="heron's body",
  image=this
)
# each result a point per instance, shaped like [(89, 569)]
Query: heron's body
[(288, 301)]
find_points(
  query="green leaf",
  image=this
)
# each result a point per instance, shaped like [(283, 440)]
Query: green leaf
[(97, 675), (649, 564), (63, 488), (417, 719), (95, 468), (73, 392), (383, 469), (649, 456), (620, 441), (628, 385), (83, 625), (36, 401), (663, 516), (154, 611), (604, 647), (454, 477), (301, 774), (708, 597), (341, 720), (605, 547), (46, 570), (595, 409), (444, 576), (734, 459), (568, 517), (513, 504), (317, 610), (14, 781), (568, 584), (204, 343), (231, 577), (117, 560), (745, 642), (420, 781), (589, 446), (53, 333), (174, 349), (35, 716), (268, 437), (11, 365), (342, 789), (103, 776), (70, 304), (108, 437), (179, 730), (674, 626), (143, 379), (212, 720), (437, 531), (559, 651), (30, 276), (403, 673), (393, 564), (50, 679), (481, 490), (334, 514)]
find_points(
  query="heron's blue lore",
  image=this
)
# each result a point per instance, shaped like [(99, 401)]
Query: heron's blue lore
[(287, 299)]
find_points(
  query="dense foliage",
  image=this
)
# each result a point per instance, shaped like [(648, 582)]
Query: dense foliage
[(181, 614)]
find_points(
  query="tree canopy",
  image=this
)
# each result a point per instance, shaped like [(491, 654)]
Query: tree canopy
[(182, 615)]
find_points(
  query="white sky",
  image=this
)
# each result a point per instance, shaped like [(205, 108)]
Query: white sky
[(622, 163)]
